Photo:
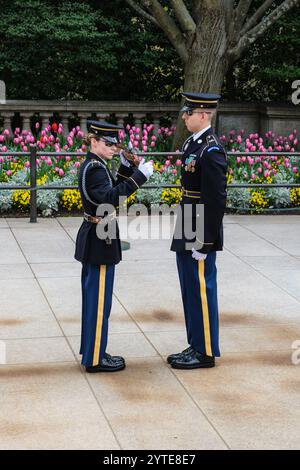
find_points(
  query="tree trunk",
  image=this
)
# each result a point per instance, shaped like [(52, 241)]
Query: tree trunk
[(208, 63)]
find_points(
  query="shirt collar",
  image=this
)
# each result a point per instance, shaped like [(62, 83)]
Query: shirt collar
[(199, 134), (99, 158)]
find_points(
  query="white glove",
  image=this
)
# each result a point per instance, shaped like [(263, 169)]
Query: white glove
[(198, 256), (124, 160), (146, 168)]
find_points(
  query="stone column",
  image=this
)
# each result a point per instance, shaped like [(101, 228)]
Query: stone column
[(65, 124), (120, 119), (83, 118), (7, 121), (156, 126), (138, 120), (44, 118), (102, 116)]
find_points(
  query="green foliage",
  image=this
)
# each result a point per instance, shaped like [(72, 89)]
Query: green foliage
[(271, 64), (101, 50), (82, 50)]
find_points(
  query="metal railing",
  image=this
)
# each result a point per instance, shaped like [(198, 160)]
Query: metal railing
[(34, 154)]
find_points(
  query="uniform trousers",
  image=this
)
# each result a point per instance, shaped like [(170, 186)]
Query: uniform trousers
[(97, 290), (198, 282)]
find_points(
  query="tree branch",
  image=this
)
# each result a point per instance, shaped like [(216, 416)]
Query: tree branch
[(169, 27), (183, 16), (257, 16), (141, 12), (241, 12), (251, 36)]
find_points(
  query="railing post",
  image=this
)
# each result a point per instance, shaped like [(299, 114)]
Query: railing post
[(33, 205)]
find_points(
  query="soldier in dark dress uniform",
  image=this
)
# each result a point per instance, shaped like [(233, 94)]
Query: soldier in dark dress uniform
[(99, 254), (203, 179)]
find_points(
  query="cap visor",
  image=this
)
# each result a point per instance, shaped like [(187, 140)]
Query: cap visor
[(184, 109), (112, 140)]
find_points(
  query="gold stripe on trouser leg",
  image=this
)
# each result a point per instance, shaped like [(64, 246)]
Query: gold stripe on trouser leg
[(101, 294), (205, 314)]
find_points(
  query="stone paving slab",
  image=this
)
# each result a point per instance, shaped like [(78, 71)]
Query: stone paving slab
[(251, 398), (51, 406), (149, 409)]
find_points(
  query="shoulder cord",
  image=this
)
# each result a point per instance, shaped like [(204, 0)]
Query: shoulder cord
[(84, 190), (185, 142)]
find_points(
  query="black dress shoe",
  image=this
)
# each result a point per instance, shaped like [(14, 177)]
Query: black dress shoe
[(194, 360), (115, 358), (173, 357), (107, 364)]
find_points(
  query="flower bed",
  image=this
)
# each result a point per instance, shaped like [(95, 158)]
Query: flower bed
[(263, 169), (63, 170)]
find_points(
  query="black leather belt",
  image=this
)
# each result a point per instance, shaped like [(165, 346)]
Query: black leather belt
[(191, 194), (96, 220), (92, 218)]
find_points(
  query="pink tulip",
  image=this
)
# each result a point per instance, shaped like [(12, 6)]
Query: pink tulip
[(174, 172), (152, 144), (178, 162), (294, 169), (259, 170), (167, 163), (61, 172), (77, 164), (9, 172)]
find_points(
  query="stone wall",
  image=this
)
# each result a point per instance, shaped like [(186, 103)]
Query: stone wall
[(248, 116)]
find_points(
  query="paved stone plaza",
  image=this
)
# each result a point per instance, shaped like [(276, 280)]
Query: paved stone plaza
[(251, 400)]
